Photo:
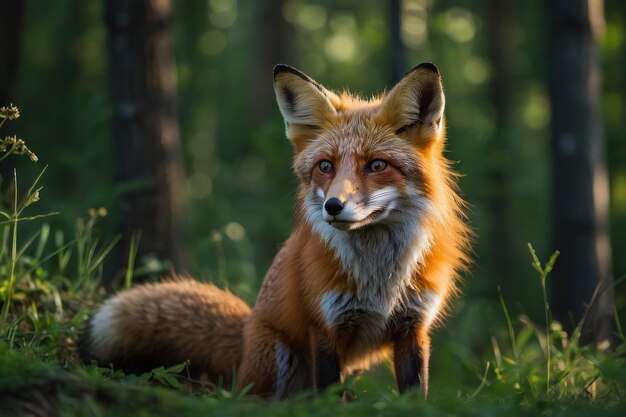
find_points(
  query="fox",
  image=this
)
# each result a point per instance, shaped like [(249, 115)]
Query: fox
[(380, 239)]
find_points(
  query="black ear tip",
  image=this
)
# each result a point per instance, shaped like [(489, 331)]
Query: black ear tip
[(425, 66), (428, 66), (280, 68)]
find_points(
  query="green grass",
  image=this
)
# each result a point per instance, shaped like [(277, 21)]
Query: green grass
[(31, 384), (520, 370), (50, 284)]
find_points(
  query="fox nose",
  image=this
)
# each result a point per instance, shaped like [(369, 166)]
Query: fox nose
[(333, 206)]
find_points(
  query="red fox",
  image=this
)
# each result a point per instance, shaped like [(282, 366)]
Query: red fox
[(379, 239)]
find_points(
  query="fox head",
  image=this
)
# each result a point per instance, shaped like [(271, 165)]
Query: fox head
[(364, 162)]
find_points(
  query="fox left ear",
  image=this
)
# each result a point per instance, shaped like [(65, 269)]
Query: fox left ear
[(305, 105), (414, 107)]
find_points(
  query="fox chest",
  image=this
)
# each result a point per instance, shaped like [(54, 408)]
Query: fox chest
[(370, 321), (381, 264)]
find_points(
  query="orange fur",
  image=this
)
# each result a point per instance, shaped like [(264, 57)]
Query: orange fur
[(168, 323), (379, 240)]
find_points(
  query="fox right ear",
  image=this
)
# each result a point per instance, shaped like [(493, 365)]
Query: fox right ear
[(305, 105), (414, 107)]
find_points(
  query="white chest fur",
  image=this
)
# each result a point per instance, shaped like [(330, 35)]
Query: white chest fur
[(381, 261)]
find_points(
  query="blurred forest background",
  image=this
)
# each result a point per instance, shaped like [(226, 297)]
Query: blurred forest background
[(237, 184)]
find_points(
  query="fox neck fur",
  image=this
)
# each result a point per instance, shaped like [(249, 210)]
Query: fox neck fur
[(380, 259)]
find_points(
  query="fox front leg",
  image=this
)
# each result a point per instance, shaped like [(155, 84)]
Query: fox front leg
[(327, 368), (411, 352)]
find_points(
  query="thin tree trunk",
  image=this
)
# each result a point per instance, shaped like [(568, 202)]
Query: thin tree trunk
[(148, 160), (501, 26), (397, 61), (579, 181), (271, 49), (11, 33)]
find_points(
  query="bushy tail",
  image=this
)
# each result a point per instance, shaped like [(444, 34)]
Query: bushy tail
[(168, 323)]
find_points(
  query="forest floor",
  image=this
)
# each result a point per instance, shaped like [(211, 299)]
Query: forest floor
[(39, 386)]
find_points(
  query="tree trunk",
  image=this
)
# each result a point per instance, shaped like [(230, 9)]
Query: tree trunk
[(271, 49), (579, 178), (11, 30), (148, 160), (398, 61), (501, 37)]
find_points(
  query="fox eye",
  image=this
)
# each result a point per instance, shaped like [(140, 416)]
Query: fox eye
[(376, 165), (326, 167)]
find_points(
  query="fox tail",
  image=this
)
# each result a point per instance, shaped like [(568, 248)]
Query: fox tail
[(168, 323)]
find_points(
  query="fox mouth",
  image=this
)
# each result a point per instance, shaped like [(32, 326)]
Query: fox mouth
[(350, 224)]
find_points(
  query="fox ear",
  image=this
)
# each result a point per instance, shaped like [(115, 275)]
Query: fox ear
[(305, 105), (414, 107)]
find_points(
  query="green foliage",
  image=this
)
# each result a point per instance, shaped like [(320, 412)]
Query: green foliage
[(33, 288), (9, 250), (165, 376), (29, 382), (132, 255), (90, 252), (569, 371), (543, 274), (11, 144)]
